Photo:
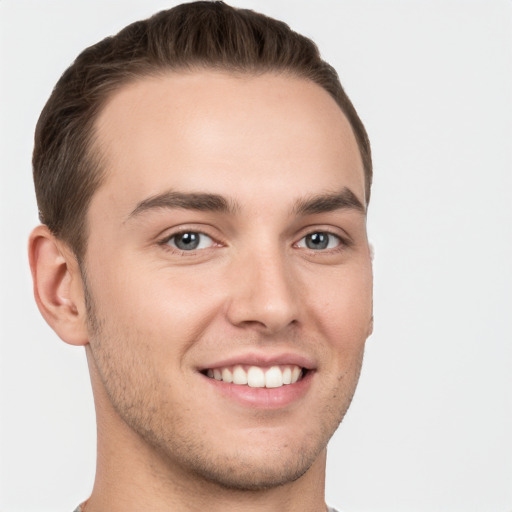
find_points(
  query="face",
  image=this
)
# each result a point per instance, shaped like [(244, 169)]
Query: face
[(228, 272)]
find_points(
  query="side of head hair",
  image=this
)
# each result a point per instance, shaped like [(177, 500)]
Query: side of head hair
[(66, 163)]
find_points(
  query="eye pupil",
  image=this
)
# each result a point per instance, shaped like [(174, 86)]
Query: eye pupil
[(187, 241), (317, 241)]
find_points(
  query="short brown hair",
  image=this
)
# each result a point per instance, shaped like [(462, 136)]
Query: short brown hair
[(205, 34)]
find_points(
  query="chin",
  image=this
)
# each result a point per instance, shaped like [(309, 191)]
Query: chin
[(256, 480), (247, 474), (263, 460)]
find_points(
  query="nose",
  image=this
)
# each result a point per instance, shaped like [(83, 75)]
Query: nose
[(263, 293)]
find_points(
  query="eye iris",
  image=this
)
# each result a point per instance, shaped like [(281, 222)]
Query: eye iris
[(187, 241), (317, 241)]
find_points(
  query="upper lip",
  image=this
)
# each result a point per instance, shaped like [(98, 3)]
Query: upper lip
[(262, 359)]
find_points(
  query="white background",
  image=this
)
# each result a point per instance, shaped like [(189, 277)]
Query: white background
[(430, 428)]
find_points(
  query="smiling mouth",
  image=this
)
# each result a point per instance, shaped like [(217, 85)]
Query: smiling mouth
[(257, 376)]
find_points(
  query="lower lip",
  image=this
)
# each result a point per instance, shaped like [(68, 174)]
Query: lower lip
[(263, 398)]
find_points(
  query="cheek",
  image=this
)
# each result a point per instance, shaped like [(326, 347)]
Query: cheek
[(161, 304), (343, 306)]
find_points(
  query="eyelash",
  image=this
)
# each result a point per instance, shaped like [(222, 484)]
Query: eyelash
[(165, 242), (343, 242)]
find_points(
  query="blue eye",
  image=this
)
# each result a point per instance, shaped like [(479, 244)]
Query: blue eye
[(190, 241), (319, 241)]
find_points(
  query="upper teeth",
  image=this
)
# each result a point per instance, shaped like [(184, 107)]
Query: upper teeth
[(257, 377)]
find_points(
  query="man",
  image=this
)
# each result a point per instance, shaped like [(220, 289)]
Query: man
[(202, 181)]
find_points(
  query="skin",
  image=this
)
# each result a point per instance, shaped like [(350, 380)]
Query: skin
[(152, 315)]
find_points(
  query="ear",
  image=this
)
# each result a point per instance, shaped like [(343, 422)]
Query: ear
[(370, 327), (58, 287)]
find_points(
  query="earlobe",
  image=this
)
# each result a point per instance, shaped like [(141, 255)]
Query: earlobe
[(58, 288)]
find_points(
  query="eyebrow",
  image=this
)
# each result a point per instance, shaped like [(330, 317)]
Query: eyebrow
[(346, 199), (323, 203), (187, 201)]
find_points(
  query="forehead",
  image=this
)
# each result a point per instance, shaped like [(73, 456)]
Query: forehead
[(213, 130)]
